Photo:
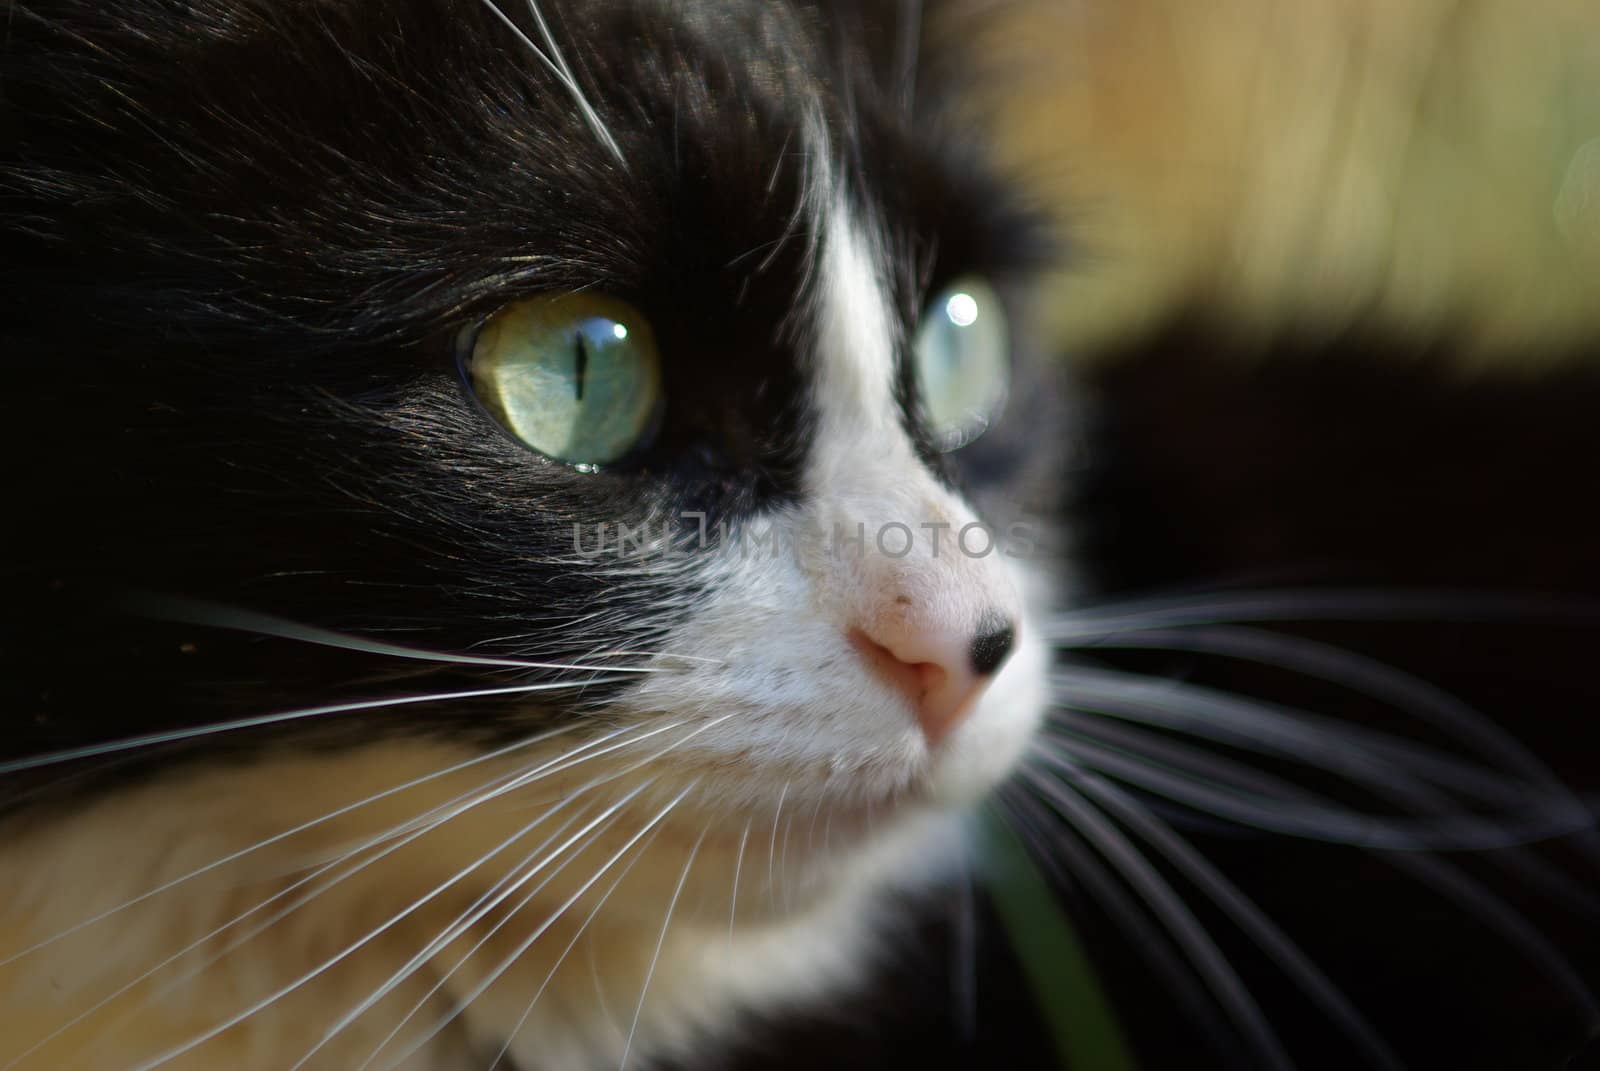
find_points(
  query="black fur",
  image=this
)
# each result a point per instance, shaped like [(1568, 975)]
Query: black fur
[(241, 239)]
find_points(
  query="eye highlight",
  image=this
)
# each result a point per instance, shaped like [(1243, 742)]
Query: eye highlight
[(963, 361), (577, 377)]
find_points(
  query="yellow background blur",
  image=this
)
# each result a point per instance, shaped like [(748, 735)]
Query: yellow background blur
[(1425, 164)]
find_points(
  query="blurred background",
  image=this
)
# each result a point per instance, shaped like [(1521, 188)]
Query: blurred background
[(1432, 165)]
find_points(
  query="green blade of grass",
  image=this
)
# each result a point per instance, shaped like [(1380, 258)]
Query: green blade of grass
[(1086, 1033)]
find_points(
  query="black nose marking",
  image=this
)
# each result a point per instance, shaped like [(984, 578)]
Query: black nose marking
[(992, 648)]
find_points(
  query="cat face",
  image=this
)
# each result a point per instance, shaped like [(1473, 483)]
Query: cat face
[(302, 289), (295, 225)]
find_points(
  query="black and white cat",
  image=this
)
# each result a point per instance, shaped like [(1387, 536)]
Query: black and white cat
[(628, 352), (532, 533)]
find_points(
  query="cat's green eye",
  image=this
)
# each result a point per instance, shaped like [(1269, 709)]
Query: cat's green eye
[(575, 376), (963, 361)]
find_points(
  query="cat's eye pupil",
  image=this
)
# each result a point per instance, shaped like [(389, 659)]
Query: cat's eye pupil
[(574, 376), (582, 369)]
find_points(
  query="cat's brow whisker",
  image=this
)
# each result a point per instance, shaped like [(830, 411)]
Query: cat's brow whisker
[(171, 736), (655, 957), (1245, 914), (1225, 984), (216, 615), (372, 935), (528, 942), (557, 65), (908, 50), (591, 116)]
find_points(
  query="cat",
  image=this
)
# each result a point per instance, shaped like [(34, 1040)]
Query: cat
[(506, 465), (538, 524)]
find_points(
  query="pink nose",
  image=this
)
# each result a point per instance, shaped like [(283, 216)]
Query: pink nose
[(941, 672)]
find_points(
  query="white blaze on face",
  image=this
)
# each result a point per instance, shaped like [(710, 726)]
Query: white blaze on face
[(800, 637), (865, 477)]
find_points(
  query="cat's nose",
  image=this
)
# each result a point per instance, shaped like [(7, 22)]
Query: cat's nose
[(942, 672)]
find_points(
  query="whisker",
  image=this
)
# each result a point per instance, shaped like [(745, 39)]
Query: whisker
[(502, 890), (424, 824), (1169, 908), (655, 957), (565, 952), (738, 868), (493, 900), (1369, 676), (228, 925), (1349, 751), (1316, 604), (1313, 823), (1083, 868), (1136, 746), (528, 942), (558, 67), (216, 615), (266, 1002), (177, 735), (1250, 918), (280, 837), (772, 848)]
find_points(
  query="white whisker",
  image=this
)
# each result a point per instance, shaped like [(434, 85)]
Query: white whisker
[(1082, 867), (491, 900), (280, 837), (1170, 909), (655, 957), (177, 735), (1266, 934), (516, 1028), (738, 869), (772, 847), (528, 942), (516, 876), (349, 950), (1399, 689), (228, 925), (1314, 604), (216, 615), (557, 65)]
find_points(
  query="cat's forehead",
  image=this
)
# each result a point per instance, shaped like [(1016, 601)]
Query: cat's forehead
[(446, 152)]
